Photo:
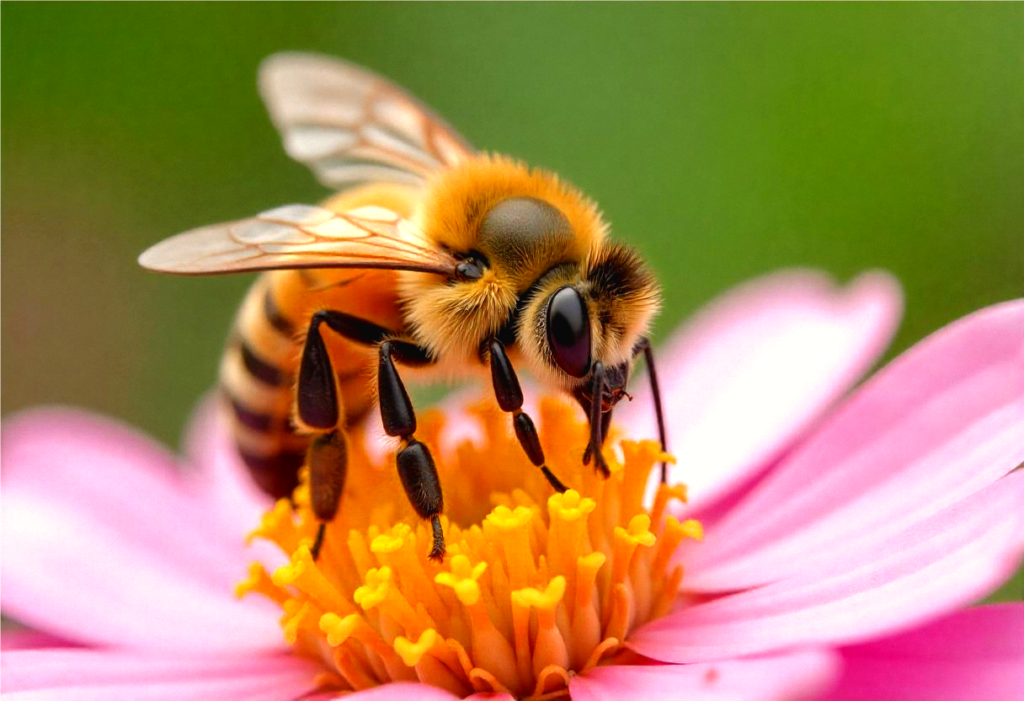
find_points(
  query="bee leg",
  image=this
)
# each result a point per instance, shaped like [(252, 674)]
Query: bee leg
[(415, 464), (606, 422), (644, 346), (510, 398), (318, 408), (317, 403), (328, 464), (599, 422)]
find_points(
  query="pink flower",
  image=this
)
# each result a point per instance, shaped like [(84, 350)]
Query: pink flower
[(840, 546)]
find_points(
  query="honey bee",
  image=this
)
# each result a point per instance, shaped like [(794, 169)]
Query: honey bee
[(431, 256)]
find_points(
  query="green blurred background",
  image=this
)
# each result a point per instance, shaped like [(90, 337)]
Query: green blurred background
[(723, 140)]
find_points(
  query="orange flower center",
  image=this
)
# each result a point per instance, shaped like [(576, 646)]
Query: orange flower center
[(536, 585)]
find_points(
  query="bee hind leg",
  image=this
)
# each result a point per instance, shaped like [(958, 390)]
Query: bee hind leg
[(328, 464), (319, 410), (510, 398), (415, 464)]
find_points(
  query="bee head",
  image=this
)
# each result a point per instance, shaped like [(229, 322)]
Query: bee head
[(581, 315)]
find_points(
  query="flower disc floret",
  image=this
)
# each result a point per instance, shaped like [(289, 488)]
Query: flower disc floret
[(536, 587)]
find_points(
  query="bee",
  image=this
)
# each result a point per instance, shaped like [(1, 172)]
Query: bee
[(432, 258)]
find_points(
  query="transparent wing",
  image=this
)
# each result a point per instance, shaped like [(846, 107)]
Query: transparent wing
[(301, 236), (351, 126)]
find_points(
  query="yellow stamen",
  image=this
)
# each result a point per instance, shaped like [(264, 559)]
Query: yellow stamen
[(378, 583), (626, 542), (304, 573), (412, 652), (463, 579), (665, 494), (259, 582), (549, 646), (537, 585), (277, 526), (586, 625), (512, 529)]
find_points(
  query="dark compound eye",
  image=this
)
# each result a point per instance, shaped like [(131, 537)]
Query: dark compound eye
[(569, 331), (470, 268)]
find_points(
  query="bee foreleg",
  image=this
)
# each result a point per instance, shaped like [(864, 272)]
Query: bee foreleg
[(644, 346), (606, 422), (415, 465), (598, 422), (510, 398)]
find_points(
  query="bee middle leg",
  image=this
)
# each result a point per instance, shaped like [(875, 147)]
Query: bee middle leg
[(415, 464), (510, 398)]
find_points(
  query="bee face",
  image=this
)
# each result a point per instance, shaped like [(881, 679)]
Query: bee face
[(581, 314)]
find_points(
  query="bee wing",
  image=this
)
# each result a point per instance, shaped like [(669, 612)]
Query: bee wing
[(351, 126), (301, 236)]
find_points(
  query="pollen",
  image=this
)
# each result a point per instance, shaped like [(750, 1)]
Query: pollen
[(537, 586)]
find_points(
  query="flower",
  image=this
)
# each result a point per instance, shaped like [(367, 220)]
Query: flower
[(839, 547)]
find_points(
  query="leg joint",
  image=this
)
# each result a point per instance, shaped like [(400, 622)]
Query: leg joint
[(350, 327)]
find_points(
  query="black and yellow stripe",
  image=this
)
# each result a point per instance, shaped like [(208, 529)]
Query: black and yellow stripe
[(261, 361), (260, 364), (257, 377)]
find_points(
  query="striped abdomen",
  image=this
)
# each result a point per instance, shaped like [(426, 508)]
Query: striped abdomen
[(261, 362)]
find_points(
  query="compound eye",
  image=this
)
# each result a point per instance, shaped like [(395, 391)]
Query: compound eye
[(569, 331)]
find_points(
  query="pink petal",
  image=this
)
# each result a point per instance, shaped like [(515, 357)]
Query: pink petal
[(221, 476), (27, 639), (941, 422), (974, 654), (404, 691), (104, 543), (751, 371), (110, 674), (853, 594), (789, 677)]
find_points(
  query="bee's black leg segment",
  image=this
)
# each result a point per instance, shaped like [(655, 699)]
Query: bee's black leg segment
[(318, 542), (526, 432), (606, 422), (437, 549), (506, 383), (396, 410), (328, 465), (510, 398), (419, 478), (644, 346), (317, 395), (598, 421), (415, 465)]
